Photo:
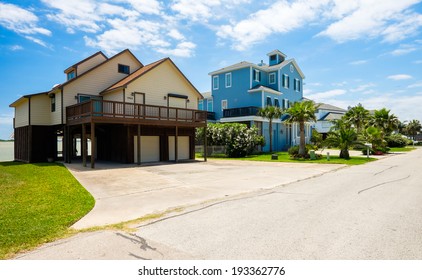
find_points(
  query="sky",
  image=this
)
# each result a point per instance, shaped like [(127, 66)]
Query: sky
[(355, 51)]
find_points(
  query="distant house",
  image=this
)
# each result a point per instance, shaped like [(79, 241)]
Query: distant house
[(325, 116), (239, 90), (127, 111)]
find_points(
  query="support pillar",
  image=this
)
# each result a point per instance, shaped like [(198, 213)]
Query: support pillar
[(138, 145), (93, 145), (205, 144), (176, 156), (83, 145)]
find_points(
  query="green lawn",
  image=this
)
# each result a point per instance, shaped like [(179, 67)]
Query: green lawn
[(284, 157), (403, 149), (38, 203)]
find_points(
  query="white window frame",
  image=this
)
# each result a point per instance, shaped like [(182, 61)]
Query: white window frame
[(222, 104), (297, 85), (215, 82), (285, 81), (256, 75), (210, 102), (228, 80), (269, 78), (278, 101)]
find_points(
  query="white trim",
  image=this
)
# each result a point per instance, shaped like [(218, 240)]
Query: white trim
[(250, 77), (279, 79), (262, 99), (218, 82), (230, 79), (256, 73), (269, 90), (286, 81), (269, 78)]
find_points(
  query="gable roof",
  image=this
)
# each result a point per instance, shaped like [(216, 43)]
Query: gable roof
[(259, 88), (328, 107), (95, 67), (85, 59), (142, 71), (277, 52), (331, 116)]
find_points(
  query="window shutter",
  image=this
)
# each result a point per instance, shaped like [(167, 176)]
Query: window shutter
[(294, 84)]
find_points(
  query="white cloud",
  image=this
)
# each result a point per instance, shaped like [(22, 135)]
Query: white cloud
[(184, 49), (195, 10), (146, 6), (22, 22), (16, 48), (322, 96), (399, 77), (416, 85), (404, 49), (358, 62), (175, 34), (362, 88)]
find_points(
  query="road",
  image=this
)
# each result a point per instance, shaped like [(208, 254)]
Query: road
[(371, 211)]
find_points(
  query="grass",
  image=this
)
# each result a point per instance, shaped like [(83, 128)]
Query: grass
[(284, 157), (402, 149), (38, 203)]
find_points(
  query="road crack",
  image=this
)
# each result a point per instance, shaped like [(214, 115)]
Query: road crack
[(384, 183)]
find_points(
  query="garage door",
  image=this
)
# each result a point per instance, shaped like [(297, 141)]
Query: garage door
[(183, 147), (150, 148)]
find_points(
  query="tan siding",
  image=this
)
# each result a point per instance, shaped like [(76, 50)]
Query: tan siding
[(55, 117), (40, 110), (21, 114), (86, 65), (160, 81), (94, 82), (114, 96)]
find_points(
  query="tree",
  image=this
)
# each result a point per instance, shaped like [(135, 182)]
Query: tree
[(302, 112), (374, 136), (385, 121), (343, 137), (413, 128), (270, 113), (358, 116)]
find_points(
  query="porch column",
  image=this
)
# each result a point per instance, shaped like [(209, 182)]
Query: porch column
[(92, 145), (138, 145), (65, 145), (176, 156), (83, 145)]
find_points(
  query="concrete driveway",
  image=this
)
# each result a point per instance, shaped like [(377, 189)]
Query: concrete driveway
[(127, 192)]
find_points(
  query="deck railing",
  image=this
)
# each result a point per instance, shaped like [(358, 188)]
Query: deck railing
[(112, 111), (240, 112)]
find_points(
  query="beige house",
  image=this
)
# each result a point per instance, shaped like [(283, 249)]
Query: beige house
[(113, 109)]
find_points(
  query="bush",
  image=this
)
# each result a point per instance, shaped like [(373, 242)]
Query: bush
[(396, 140), (294, 152), (238, 139)]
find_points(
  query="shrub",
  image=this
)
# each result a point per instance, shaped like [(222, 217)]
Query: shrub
[(396, 140), (294, 152), (238, 139)]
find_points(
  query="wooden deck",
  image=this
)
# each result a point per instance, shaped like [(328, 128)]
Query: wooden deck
[(102, 111)]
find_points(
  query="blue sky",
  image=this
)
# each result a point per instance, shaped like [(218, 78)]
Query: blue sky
[(363, 51)]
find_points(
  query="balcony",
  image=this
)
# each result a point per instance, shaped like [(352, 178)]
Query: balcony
[(240, 112), (102, 111), (211, 116)]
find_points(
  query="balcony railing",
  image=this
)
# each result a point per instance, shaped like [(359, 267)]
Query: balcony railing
[(240, 112), (211, 116), (120, 112)]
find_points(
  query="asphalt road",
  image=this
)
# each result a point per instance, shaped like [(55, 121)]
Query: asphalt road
[(372, 211)]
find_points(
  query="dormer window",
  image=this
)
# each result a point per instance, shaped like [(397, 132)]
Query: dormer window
[(124, 69), (273, 57), (71, 75)]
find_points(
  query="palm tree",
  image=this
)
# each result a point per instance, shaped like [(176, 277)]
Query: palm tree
[(374, 136), (270, 113), (385, 121), (302, 112), (344, 137), (413, 127), (358, 116)]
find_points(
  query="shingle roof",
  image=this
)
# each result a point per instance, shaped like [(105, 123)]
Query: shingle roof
[(328, 107), (331, 116)]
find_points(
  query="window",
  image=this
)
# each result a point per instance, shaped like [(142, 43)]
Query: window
[(71, 75), (125, 69), (53, 102), (273, 57), (257, 75), (210, 105), (285, 81), (200, 105), (228, 80), (224, 104), (272, 78), (297, 85), (269, 103), (286, 104), (276, 103), (215, 82)]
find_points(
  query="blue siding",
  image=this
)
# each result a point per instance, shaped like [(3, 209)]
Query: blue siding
[(290, 93)]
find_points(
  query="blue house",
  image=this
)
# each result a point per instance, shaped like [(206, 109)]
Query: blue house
[(239, 90)]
